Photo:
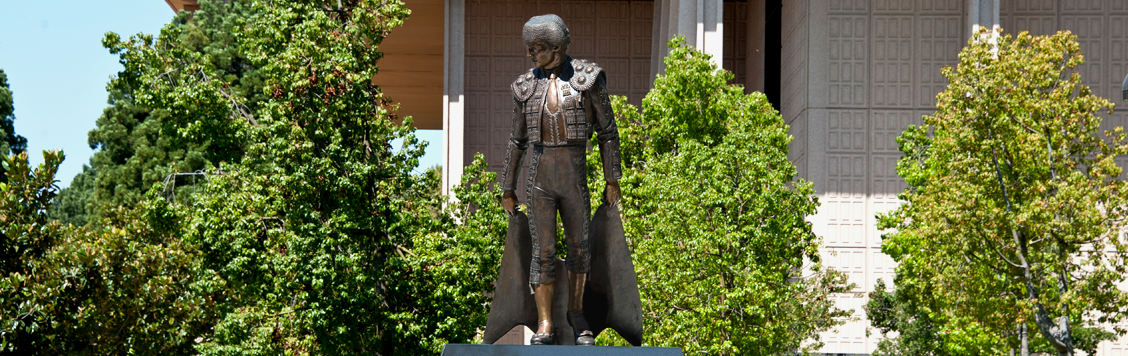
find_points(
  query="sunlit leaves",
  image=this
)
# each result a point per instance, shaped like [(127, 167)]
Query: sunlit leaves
[(716, 218), (1012, 185)]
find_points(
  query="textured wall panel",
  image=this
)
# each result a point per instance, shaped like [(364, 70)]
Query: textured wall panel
[(846, 131), (1118, 6), (1084, 6), (883, 62), (939, 40), (848, 6), (794, 62), (851, 261), (887, 126), (844, 200), (845, 222), (881, 267), (885, 184), (1036, 25), (934, 7), (797, 148), (847, 67), (892, 47), (1030, 6), (1118, 68), (1117, 348), (892, 6), (851, 337), (794, 71), (1092, 34), (846, 175)]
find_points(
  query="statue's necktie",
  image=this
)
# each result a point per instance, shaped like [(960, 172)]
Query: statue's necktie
[(552, 103), (551, 130)]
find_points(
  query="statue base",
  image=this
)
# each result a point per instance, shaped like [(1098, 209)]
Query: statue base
[(552, 350)]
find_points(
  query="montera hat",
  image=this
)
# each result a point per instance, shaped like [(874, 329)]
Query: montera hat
[(548, 29)]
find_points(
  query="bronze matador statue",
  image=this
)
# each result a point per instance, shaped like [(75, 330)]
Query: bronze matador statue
[(556, 107)]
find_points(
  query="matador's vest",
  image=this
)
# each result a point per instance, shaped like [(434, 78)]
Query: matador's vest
[(530, 88)]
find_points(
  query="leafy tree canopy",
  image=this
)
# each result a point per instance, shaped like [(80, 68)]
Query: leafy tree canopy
[(165, 116), (10, 142), (715, 216), (1010, 232)]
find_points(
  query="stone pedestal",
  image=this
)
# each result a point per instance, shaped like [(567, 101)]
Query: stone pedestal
[(549, 350)]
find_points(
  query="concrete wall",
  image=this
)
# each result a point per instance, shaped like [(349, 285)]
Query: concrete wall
[(855, 74)]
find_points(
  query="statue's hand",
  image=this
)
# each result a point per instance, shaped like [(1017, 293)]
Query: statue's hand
[(509, 201), (612, 193)]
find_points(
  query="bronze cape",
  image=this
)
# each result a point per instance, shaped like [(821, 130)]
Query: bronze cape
[(611, 297)]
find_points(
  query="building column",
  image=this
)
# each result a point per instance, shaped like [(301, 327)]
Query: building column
[(710, 29), (982, 13), (700, 21), (454, 102)]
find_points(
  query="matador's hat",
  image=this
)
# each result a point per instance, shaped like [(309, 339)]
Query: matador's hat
[(548, 29)]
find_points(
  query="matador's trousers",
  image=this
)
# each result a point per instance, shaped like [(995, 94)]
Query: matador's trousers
[(558, 183)]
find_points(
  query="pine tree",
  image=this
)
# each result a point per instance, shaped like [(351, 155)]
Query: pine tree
[(10, 142)]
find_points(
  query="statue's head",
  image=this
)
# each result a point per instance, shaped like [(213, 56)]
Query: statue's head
[(546, 38)]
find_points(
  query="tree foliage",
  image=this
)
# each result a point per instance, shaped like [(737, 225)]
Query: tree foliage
[(70, 206), (312, 238), (1013, 213), (25, 235), (715, 216), (120, 289), (169, 109), (10, 142), (916, 333), (453, 269), (321, 242)]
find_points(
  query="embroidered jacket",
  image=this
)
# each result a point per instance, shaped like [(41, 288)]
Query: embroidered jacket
[(584, 106)]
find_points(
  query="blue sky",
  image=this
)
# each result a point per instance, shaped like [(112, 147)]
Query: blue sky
[(57, 69)]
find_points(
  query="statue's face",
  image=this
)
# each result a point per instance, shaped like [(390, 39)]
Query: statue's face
[(544, 56)]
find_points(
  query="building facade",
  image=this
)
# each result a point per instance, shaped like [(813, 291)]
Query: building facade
[(857, 73), (848, 76)]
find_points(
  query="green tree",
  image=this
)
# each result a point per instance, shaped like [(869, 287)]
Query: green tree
[(715, 215), (916, 333), (25, 236), (10, 142), (452, 270), (310, 237), (70, 206), (1013, 211), (117, 290), (164, 116)]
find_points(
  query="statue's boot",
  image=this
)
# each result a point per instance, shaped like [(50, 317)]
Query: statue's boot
[(581, 329), (543, 295)]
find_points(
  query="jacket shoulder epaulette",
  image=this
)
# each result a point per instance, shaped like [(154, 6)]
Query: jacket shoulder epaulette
[(585, 74), (524, 86)]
